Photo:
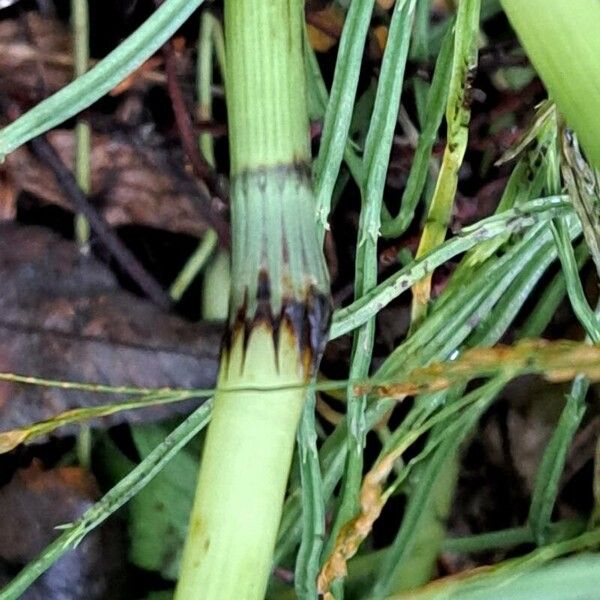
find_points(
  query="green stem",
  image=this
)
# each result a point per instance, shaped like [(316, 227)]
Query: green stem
[(204, 81), (194, 265), (242, 481), (81, 58), (267, 109), (110, 71), (80, 25), (279, 308), (217, 278)]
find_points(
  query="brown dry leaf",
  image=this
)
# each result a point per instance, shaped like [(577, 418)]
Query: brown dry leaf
[(130, 183), (385, 4), (8, 197), (325, 27), (557, 361), (132, 79), (32, 505), (354, 532), (40, 51), (64, 317)]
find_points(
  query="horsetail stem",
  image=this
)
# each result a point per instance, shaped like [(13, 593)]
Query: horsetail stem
[(279, 307)]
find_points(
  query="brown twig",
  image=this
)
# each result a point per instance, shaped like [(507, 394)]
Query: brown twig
[(202, 169), (184, 123), (45, 152)]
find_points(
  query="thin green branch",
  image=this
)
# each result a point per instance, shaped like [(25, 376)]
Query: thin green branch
[(12, 438), (130, 485), (550, 299), (479, 542), (318, 99), (194, 265), (99, 80), (338, 114), (81, 54), (511, 221), (434, 111), (548, 475), (585, 315), (507, 538), (377, 149), (308, 558)]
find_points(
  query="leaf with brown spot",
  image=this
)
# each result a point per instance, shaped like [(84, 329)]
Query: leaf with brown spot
[(354, 532), (556, 361)]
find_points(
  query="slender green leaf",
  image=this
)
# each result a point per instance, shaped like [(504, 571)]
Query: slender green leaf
[(434, 111), (128, 487), (458, 115), (548, 475), (99, 80), (515, 220), (338, 115), (377, 150), (586, 316)]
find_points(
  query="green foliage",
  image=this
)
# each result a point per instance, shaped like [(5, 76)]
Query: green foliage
[(158, 515), (97, 82), (114, 499), (503, 260)]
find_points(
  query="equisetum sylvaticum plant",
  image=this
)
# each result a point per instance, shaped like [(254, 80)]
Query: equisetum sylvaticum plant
[(279, 307), (280, 304)]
